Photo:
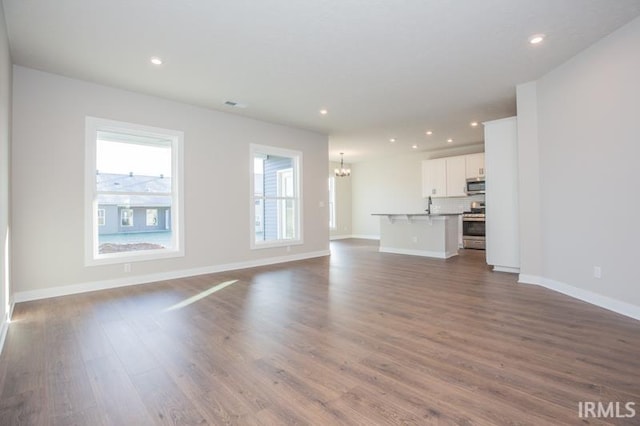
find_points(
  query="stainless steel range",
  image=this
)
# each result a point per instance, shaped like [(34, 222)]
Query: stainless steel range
[(473, 228)]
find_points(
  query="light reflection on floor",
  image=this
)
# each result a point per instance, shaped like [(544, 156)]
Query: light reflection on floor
[(200, 295)]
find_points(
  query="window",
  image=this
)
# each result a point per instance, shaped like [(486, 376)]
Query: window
[(101, 217), (275, 197), (152, 217), (133, 187), (126, 216), (332, 203)]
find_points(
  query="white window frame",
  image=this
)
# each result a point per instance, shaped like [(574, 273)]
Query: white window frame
[(333, 220), (254, 150), (92, 258)]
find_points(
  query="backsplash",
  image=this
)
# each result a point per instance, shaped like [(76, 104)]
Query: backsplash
[(453, 204)]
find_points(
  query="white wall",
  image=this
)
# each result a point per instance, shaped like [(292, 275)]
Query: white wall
[(589, 150), (48, 168), (5, 135), (387, 185), (391, 185), (343, 202)]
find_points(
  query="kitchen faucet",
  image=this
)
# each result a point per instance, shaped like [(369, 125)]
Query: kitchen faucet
[(429, 202)]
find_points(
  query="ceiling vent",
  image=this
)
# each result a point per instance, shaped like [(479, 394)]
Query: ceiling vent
[(235, 104)]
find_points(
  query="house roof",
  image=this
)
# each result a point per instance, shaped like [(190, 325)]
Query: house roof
[(134, 190)]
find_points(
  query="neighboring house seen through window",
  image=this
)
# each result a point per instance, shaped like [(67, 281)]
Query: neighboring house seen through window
[(127, 217), (276, 212), (133, 192), (152, 217), (101, 217)]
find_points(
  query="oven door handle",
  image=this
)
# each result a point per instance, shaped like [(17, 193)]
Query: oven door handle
[(473, 219)]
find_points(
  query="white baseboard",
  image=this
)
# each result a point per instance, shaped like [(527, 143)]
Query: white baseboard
[(24, 296), (605, 302), (339, 237), (509, 269), (365, 237), (423, 253)]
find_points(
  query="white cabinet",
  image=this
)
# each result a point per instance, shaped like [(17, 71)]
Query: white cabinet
[(434, 178), (445, 177), (475, 165), (503, 241), (456, 176)]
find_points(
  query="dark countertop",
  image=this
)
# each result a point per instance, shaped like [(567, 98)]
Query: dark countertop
[(416, 214)]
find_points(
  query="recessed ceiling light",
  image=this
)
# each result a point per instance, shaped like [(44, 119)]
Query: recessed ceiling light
[(156, 61), (449, 140), (324, 112), (414, 146), (392, 140), (474, 123), (536, 38), (429, 132)]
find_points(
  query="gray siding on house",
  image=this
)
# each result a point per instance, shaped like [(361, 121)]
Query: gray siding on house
[(113, 220), (271, 167), (140, 220), (113, 203)]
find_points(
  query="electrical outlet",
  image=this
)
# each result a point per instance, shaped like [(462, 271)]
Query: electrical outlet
[(127, 267), (414, 239), (597, 272)]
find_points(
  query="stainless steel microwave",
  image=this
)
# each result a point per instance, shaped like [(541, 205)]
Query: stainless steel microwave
[(475, 186)]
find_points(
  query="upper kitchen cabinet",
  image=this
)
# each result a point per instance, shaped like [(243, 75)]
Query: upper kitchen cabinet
[(434, 178), (444, 177), (456, 178), (475, 166)]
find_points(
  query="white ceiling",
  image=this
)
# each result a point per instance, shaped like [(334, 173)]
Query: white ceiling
[(382, 68)]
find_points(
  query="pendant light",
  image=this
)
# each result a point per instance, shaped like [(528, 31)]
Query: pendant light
[(342, 172)]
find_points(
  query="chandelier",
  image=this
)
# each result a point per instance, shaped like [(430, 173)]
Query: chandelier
[(342, 172)]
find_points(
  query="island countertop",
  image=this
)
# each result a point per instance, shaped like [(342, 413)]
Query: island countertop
[(419, 233), (416, 214)]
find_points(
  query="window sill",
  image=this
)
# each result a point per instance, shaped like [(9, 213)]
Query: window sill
[(274, 244), (133, 256)]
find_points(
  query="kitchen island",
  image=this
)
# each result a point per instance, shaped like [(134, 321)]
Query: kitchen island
[(419, 234)]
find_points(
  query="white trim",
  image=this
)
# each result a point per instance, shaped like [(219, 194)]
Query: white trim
[(333, 212), (24, 296), (423, 253), (605, 302), (530, 279), (4, 328), (509, 269), (366, 237), (298, 196), (91, 257), (339, 237)]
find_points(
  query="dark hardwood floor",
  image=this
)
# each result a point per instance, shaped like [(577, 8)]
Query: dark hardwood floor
[(358, 338)]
